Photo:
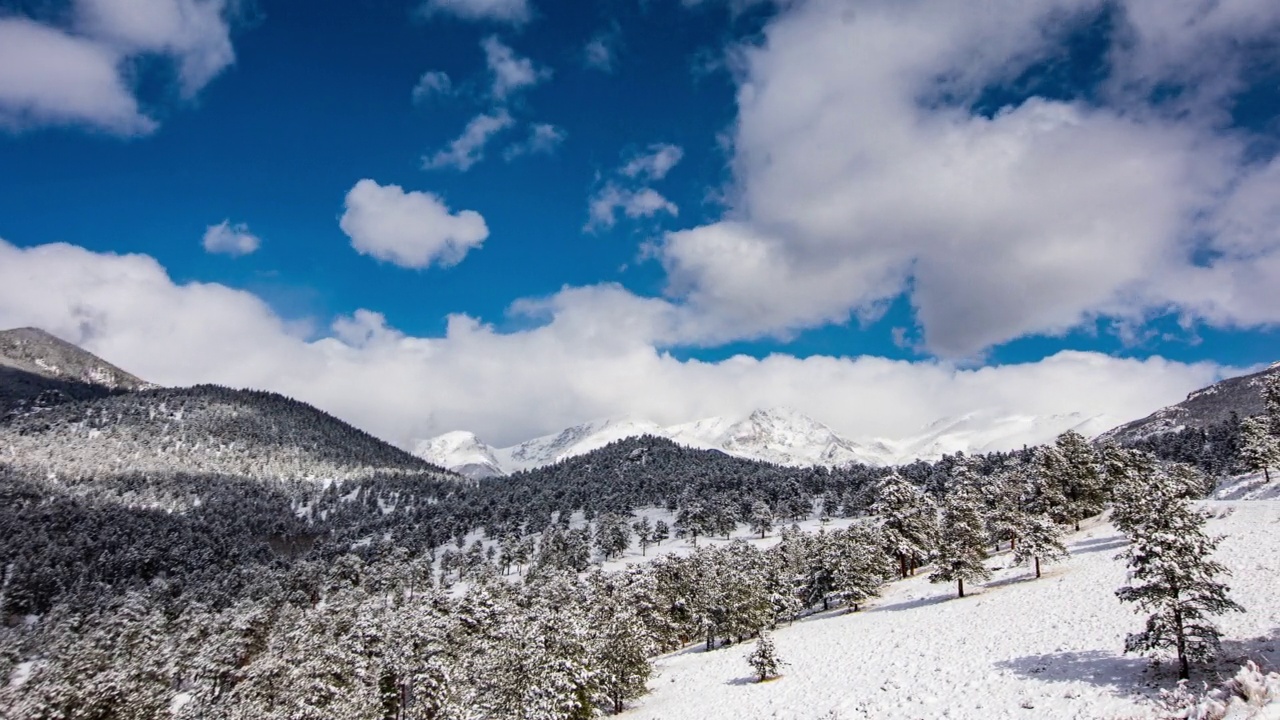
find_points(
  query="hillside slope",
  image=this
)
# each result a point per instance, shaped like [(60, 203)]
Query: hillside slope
[(1018, 648), (1203, 408), (202, 429), (40, 370)]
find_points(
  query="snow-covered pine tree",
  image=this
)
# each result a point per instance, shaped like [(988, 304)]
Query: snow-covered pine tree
[(761, 518), (1172, 575), (963, 539), (1271, 397), (909, 520), (859, 565), (613, 535), (620, 649), (1039, 541), (661, 531), (1259, 449), (1083, 481), (764, 658), (644, 533)]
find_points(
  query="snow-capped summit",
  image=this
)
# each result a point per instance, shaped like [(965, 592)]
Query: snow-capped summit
[(461, 452), (779, 435), (576, 440)]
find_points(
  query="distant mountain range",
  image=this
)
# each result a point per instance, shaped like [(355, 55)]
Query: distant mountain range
[(223, 430), (777, 435)]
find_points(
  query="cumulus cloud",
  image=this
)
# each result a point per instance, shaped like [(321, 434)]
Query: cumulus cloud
[(433, 83), (594, 356), (227, 239), (514, 12), (468, 148), (193, 32), (605, 204), (79, 74), (410, 229), (511, 73), (48, 77), (860, 174), (543, 139)]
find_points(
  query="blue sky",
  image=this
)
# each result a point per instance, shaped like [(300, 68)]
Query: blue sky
[(860, 184)]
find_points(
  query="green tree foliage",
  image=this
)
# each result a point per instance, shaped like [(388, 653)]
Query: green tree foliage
[(1172, 576)]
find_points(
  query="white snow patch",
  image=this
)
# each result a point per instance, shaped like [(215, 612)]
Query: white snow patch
[(1015, 648)]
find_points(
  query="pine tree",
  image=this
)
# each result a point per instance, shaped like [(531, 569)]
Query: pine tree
[(1172, 575), (620, 656), (1083, 482), (761, 518), (909, 520), (963, 544), (1260, 450), (764, 658), (1039, 540), (661, 531), (644, 533)]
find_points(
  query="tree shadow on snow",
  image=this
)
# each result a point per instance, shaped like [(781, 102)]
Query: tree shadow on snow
[(1124, 676), (913, 603), (1114, 542), (1263, 650)]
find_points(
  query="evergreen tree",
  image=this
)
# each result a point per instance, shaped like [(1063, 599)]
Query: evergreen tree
[(661, 531), (908, 518), (1039, 540), (761, 518), (620, 656), (1173, 578), (1260, 449), (963, 543), (644, 533), (764, 659)]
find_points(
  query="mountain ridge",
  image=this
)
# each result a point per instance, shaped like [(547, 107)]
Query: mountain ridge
[(777, 435)]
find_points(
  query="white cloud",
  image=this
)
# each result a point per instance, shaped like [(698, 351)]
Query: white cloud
[(431, 84), (468, 148), (511, 72), (81, 74), (603, 207), (514, 12), (543, 139), (48, 77), (410, 229), (594, 357), (860, 175), (228, 239), (601, 52), (653, 164), (633, 197), (194, 32)]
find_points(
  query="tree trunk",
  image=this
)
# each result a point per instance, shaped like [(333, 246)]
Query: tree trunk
[(1184, 668), (1037, 567), (960, 582), (1266, 474)]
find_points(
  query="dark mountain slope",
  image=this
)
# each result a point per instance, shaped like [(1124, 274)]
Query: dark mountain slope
[(203, 429), (38, 370)]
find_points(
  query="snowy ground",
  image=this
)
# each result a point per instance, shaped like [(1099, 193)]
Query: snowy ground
[(1015, 648)]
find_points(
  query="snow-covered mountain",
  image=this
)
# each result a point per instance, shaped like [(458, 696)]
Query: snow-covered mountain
[(38, 370), (1202, 408), (777, 435)]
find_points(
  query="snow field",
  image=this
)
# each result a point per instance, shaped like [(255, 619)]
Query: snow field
[(1016, 647)]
